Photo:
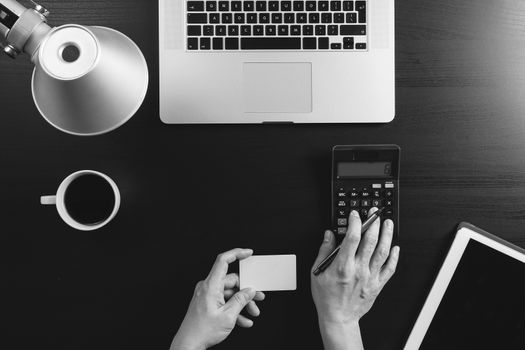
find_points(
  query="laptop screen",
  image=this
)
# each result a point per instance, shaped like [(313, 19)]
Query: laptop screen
[(484, 305)]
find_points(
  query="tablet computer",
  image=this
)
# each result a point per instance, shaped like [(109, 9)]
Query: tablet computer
[(478, 298)]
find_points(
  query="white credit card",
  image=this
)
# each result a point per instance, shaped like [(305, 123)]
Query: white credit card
[(267, 273)]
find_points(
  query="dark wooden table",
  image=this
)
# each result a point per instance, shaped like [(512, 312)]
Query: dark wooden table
[(190, 192)]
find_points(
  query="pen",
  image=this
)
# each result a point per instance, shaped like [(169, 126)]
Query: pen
[(323, 265)]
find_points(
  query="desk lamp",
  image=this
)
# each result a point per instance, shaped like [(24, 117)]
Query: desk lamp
[(87, 80)]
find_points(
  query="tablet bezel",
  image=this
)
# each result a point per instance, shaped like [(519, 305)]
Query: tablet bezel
[(464, 234)]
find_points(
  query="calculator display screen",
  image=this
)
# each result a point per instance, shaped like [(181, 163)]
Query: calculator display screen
[(364, 169)]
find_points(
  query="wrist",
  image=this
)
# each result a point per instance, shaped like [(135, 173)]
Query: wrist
[(183, 341), (341, 335)]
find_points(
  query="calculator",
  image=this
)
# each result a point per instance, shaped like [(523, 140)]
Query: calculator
[(364, 177)]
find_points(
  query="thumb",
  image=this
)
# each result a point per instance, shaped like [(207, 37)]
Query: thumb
[(326, 248), (240, 300)]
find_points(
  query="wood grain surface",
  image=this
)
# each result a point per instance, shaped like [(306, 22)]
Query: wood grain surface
[(190, 192)]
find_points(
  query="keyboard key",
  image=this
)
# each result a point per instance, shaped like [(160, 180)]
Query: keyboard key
[(310, 6), (298, 5), (313, 17), (375, 193), (217, 44), (239, 18), (348, 44), (207, 30), (339, 17), (308, 30), (220, 30), (342, 230), (335, 46), (215, 18), (195, 6), (197, 18), (365, 203), (232, 44), (389, 193), (277, 18), (360, 46), (339, 203), (342, 212), (342, 222), (211, 6), (376, 203), (354, 193), (236, 6), (286, 6), (351, 17), (360, 7), (258, 30), (333, 30), (353, 30), (341, 194), (264, 18), (251, 18), (205, 44), (348, 5), (309, 43), (270, 30), (335, 5), (323, 43), (363, 212), (354, 203), (388, 212), (323, 6), (246, 30), (388, 203), (260, 6), (320, 30), (302, 18), (289, 17), (193, 43), (227, 18), (248, 6), (224, 6), (273, 6), (194, 30), (295, 30), (365, 193), (282, 30), (326, 17), (233, 31)]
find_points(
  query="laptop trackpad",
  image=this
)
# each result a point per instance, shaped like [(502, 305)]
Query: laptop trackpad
[(277, 87)]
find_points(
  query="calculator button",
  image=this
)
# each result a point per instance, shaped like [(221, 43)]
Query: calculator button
[(364, 213), (341, 194), (376, 194), (389, 193), (365, 203), (342, 222), (389, 185), (342, 230), (388, 203), (377, 186), (354, 203), (341, 212), (341, 204), (376, 203), (365, 193), (354, 193), (389, 212)]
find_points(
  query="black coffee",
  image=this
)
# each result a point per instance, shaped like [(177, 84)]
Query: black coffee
[(89, 199)]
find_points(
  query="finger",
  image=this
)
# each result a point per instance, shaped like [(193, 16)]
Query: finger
[(327, 247), (389, 268), (259, 296), (228, 293), (231, 281), (253, 309), (351, 240), (239, 300), (383, 247), (220, 268), (243, 321), (368, 242)]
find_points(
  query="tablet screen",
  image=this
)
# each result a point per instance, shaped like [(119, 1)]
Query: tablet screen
[(484, 304)]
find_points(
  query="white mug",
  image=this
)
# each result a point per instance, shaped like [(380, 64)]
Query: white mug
[(59, 201)]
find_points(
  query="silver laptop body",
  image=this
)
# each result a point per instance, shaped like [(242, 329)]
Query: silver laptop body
[(276, 61)]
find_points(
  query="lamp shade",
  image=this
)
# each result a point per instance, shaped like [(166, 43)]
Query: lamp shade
[(88, 80)]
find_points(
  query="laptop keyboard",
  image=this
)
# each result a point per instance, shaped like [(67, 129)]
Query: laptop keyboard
[(276, 25)]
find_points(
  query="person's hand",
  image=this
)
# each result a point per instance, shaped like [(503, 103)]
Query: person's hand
[(347, 289), (216, 306)]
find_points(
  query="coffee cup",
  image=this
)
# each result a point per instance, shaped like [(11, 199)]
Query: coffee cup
[(86, 200)]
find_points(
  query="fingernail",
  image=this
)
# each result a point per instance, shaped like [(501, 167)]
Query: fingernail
[(389, 224), (355, 214), (327, 236)]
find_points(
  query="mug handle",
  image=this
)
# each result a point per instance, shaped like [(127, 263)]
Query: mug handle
[(48, 200)]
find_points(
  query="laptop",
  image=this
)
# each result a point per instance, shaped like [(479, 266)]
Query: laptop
[(276, 61)]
